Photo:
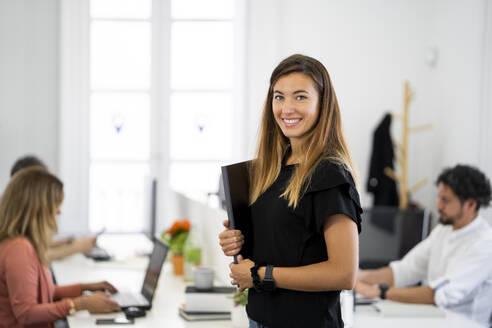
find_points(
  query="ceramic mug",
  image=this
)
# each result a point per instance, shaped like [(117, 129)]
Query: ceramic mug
[(204, 277)]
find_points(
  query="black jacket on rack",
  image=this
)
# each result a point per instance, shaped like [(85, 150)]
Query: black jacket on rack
[(382, 186)]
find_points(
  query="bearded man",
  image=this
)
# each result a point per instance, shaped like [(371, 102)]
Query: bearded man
[(452, 268)]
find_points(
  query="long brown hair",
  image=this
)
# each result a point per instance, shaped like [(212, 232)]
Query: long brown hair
[(324, 141), (28, 208)]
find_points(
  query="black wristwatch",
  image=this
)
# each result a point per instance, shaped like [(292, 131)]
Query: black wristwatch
[(383, 288), (268, 282), (256, 279)]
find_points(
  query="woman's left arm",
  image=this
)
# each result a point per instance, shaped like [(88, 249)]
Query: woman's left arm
[(77, 289), (337, 272)]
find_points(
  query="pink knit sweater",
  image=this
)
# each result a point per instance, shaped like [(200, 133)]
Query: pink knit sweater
[(27, 293)]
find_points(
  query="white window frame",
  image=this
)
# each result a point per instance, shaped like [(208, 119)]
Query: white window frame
[(73, 122), (74, 114)]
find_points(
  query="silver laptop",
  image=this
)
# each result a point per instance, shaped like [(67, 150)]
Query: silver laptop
[(144, 299)]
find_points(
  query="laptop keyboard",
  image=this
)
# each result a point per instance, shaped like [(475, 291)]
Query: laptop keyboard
[(129, 299)]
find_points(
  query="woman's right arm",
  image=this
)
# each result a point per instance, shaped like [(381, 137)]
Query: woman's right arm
[(98, 302), (22, 277), (231, 241)]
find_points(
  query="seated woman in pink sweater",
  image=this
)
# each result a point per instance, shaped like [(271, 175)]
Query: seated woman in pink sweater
[(28, 296)]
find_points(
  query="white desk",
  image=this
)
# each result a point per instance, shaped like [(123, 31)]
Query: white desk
[(129, 276), (170, 294), (366, 316)]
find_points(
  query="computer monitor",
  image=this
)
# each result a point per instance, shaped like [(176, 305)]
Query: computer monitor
[(153, 210), (388, 233)]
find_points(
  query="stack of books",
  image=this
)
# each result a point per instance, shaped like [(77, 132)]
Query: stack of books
[(213, 304)]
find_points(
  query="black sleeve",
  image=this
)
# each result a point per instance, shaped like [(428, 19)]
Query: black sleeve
[(333, 192), (333, 201)]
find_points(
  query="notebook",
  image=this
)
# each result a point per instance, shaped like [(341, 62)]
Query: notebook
[(144, 299), (391, 309), (203, 316), (217, 299)]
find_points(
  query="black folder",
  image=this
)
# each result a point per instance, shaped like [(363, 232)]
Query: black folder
[(236, 191)]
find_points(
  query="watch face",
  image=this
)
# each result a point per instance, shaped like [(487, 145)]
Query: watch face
[(268, 285), (383, 288)]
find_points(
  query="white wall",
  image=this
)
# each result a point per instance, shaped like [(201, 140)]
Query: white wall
[(28, 82), (370, 48), (486, 113), (457, 83), (208, 222)]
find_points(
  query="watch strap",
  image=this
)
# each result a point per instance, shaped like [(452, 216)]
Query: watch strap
[(268, 281), (269, 272), (383, 288)]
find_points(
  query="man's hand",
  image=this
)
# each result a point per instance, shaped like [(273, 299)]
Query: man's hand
[(362, 276), (367, 290)]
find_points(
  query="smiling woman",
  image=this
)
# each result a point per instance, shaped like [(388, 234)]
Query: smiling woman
[(305, 209)]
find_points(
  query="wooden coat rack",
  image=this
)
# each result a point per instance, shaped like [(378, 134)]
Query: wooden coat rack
[(402, 153)]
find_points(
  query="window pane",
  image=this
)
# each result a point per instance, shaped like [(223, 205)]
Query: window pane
[(200, 9), (195, 179), (201, 125), (120, 55), (120, 126), (121, 9), (202, 55), (119, 196)]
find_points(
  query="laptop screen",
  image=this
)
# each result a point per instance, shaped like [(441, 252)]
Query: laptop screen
[(154, 269)]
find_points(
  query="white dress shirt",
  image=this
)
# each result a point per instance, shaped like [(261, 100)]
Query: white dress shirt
[(457, 265)]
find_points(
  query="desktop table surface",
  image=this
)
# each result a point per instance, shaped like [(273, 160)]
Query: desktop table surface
[(128, 275)]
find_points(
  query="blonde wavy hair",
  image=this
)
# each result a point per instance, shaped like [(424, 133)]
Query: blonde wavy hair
[(324, 141), (28, 208)]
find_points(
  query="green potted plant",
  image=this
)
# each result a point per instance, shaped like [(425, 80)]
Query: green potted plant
[(176, 237)]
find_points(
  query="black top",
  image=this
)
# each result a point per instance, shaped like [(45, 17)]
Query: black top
[(287, 237)]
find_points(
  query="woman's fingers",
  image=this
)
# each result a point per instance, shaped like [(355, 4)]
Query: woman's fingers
[(232, 243), (226, 234), (232, 252), (111, 306), (101, 294), (230, 239), (233, 280), (109, 287)]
